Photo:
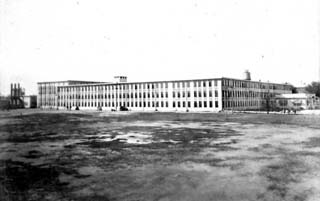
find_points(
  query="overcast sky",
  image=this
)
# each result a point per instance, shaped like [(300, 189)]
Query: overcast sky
[(49, 40)]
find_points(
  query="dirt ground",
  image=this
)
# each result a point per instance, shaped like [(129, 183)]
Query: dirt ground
[(54, 155)]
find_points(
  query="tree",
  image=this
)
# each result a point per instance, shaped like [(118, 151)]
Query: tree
[(314, 88)]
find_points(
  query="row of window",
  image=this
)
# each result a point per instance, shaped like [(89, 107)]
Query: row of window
[(247, 94), (249, 84), (142, 86), (195, 94), (195, 84), (231, 104), (143, 95), (196, 104)]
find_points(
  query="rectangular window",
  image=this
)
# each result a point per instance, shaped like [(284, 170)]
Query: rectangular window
[(174, 104), (210, 104), (189, 104), (195, 94), (178, 104), (173, 94), (205, 104), (167, 104), (210, 83), (215, 83), (195, 104), (216, 104), (216, 93), (200, 104)]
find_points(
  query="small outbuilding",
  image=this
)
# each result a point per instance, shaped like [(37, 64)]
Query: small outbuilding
[(298, 101), (30, 101)]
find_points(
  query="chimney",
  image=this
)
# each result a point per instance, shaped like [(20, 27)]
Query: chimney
[(15, 90)]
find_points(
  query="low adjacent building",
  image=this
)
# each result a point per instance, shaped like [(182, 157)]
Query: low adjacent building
[(30, 101), (297, 101)]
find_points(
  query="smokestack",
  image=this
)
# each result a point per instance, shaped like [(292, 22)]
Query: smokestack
[(19, 90), (15, 90)]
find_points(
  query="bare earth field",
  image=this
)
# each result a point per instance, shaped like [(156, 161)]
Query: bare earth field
[(54, 155)]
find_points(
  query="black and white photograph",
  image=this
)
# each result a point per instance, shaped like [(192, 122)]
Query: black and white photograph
[(172, 100)]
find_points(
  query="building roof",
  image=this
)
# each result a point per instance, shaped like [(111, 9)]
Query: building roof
[(166, 81), (256, 81), (68, 81), (144, 82)]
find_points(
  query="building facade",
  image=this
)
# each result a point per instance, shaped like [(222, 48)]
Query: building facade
[(210, 95), (48, 92), (251, 95)]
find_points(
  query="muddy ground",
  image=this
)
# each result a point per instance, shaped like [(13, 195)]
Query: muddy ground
[(51, 155)]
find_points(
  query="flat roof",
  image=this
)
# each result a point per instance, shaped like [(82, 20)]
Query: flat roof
[(166, 81), (144, 82), (257, 81), (45, 82)]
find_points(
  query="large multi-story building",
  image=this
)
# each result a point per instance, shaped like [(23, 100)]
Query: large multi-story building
[(213, 95)]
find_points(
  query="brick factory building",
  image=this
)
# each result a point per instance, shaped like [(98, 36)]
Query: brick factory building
[(212, 95)]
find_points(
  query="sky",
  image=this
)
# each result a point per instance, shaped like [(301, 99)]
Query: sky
[(147, 40)]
